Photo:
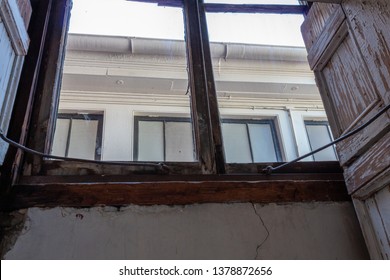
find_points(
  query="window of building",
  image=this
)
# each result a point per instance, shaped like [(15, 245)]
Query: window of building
[(78, 136), (180, 81), (186, 75), (166, 139), (129, 57), (248, 141), (163, 139), (319, 134)]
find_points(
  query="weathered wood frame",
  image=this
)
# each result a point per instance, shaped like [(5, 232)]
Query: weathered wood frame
[(313, 181), (348, 47)]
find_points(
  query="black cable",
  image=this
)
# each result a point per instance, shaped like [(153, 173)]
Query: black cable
[(269, 169), (160, 166)]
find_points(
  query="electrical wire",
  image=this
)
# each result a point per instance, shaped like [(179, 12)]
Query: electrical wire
[(160, 166), (269, 169)]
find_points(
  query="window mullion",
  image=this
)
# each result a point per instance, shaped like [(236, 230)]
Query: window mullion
[(212, 95), (199, 91), (68, 136)]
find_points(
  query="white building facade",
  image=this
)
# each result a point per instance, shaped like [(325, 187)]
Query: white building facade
[(128, 99)]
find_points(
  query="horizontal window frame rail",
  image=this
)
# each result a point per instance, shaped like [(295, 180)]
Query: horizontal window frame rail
[(202, 190), (67, 168), (236, 8)]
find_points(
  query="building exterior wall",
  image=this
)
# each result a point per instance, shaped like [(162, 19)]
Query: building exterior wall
[(204, 231)]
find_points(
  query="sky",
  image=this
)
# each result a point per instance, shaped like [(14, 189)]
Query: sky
[(146, 20)]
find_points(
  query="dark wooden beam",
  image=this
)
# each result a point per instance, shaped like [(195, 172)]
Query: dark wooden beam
[(48, 87), (174, 193), (84, 179), (213, 98), (200, 109), (72, 168), (252, 9), (326, 1), (239, 8)]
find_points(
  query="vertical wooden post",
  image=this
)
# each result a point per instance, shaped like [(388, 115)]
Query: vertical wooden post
[(201, 115), (212, 95), (48, 88)]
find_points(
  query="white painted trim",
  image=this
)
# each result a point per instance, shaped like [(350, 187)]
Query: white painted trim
[(373, 246), (11, 90), (13, 21), (298, 118)]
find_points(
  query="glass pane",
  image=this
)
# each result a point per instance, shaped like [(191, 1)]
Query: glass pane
[(259, 29), (263, 147), (82, 140), (318, 137), (235, 137), (150, 141), (269, 2), (260, 69), (126, 58), (60, 137), (179, 141), (126, 18)]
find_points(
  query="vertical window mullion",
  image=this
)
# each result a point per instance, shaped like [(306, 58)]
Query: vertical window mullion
[(68, 138), (164, 141), (249, 141), (220, 159), (199, 91)]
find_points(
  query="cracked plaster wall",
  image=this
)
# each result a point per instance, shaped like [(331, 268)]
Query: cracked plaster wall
[(207, 231)]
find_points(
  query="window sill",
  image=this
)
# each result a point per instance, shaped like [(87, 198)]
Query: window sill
[(94, 190)]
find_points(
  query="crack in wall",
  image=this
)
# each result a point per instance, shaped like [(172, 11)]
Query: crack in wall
[(266, 229)]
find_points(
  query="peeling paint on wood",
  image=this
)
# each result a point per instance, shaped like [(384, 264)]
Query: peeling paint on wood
[(349, 83), (369, 165), (315, 22), (370, 22), (25, 10)]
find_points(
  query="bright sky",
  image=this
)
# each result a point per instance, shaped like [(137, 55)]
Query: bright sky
[(134, 19)]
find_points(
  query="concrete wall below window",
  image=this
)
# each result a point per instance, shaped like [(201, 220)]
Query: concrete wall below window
[(206, 231)]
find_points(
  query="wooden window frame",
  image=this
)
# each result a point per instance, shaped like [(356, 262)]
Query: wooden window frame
[(204, 105), (33, 181)]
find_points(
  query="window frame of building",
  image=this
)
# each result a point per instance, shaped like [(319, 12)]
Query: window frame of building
[(267, 121), (319, 123), (94, 183), (99, 132), (276, 139), (204, 105), (161, 119)]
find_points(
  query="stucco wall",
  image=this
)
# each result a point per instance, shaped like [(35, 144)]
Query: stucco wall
[(207, 231)]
